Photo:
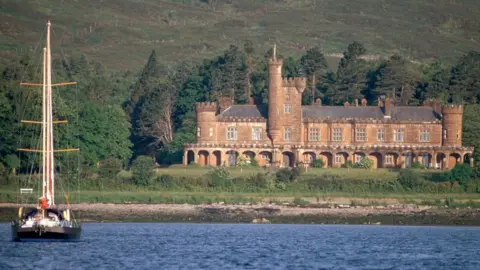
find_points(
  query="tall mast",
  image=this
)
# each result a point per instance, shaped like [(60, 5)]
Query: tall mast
[(49, 116), (44, 123)]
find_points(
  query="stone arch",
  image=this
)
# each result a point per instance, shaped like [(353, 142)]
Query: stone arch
[(190, 157), (309, 157), (203, 158), (264, 158), (453, 159), (340, 158), (357, 156), (327, 158), (391, 160), (232, 157), (377, 159), (288, 159), (248, 155), (441, 159), (217, 156), (425, 159)]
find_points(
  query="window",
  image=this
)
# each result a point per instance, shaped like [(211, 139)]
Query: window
[(444, 133), (338, 159), (257, 134), (398, 135), (381, 135), (287, 134), (287, 108), (198, 131), (424, 135), (314, 134), (211, 132), (389, 159), (360, 134), (232, 133), (337, 134)]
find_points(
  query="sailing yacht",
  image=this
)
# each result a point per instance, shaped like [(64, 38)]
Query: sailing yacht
[(46, 221)]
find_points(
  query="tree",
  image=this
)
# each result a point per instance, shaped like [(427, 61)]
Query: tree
[(314, 65), (351, 74), (465, 80), (471, 126), (397, 79), (143, 170)]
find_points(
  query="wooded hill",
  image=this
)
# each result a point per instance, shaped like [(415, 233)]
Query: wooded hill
[(120, 33)]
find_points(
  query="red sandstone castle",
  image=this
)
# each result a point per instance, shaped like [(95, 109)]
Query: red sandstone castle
[(285, 134)]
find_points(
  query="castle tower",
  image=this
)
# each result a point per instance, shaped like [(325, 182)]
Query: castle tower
[(452, 125), (206, 121), (275, 97)]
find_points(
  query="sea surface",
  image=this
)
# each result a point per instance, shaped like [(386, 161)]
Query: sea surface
[(249, 246)]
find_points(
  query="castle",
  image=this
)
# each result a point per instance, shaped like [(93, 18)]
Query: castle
[(286, 134)]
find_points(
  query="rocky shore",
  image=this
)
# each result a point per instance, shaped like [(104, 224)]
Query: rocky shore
[(267, 213)]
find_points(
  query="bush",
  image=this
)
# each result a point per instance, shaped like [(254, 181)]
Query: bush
[(219, 177), (364, 163), (143, 170), (287, 175), (347, 164), (166, 181), (253, 162), (410, 180), (418, 165), (318, 163), (109, 168), (461, 173)]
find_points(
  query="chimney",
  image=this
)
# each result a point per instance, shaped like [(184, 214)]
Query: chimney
[(251, 101), (364, 102), (346, 104), (435, 104), (356, 102), (224, 103), (380, 102), (318, 101), (387, 109)]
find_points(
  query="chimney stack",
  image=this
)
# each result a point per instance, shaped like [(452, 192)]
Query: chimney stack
[(251, 101), (318, 101), (364, 102), (224, 103), (387, 109)]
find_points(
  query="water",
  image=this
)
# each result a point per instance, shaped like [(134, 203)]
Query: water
[(245, 246)]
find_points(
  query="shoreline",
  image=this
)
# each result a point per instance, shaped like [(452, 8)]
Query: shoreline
[(266, 213)]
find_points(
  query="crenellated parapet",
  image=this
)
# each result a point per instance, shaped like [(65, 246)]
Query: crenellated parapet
[(206, 107), (276, 61), (300, 83), (452, 109)]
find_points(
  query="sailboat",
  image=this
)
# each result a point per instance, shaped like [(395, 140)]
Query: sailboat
[(46, 221)]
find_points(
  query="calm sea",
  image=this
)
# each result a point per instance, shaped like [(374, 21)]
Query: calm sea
[(237, 246)]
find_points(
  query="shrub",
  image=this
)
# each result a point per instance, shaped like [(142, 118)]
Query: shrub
[(418, 165), (109, 168), (166, 181), (461, 173), (219, 177), (253, 162), (364, 163), (143, 170), (347, 164), (287, 174), (410, 180), (318, 163)]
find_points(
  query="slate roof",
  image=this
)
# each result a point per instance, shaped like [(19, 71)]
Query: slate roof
[(245, 111), (414, 114)]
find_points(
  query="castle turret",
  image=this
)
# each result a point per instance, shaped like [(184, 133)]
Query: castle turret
[(452, 125), (275, 97), (206, 121)]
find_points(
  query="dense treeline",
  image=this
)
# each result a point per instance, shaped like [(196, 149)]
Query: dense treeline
[(115, 117)]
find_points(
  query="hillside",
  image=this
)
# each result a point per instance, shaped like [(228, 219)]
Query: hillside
[(121, 33)]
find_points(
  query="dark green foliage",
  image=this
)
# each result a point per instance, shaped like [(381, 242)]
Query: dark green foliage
[(166, 181), (253, 162), (411, 180), (219, 177), (460, 173), (347, 164), (287, 175), (318, 163), (364, 163), (142, 170), (418, 165), (109, 168)]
